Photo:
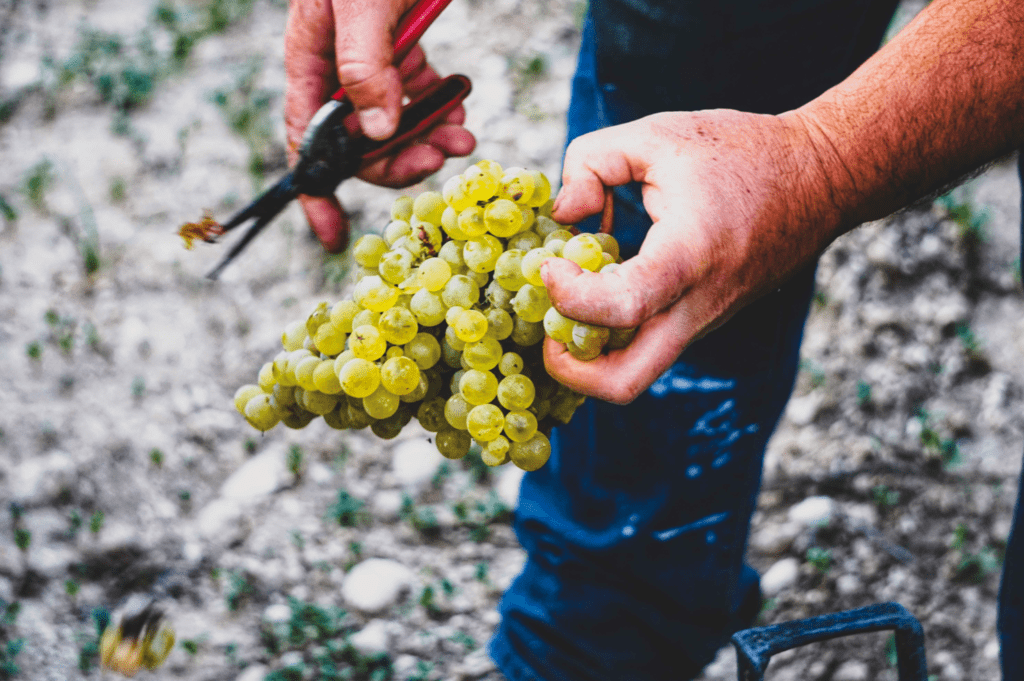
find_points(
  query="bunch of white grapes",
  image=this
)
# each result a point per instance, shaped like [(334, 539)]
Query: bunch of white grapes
[(444, 324)]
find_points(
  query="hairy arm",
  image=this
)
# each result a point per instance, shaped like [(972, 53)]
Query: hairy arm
[(740, 202)]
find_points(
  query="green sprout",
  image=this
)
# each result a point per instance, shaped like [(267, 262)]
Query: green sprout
[(820, 558), (295, 461), (96, 522), (346, 511)]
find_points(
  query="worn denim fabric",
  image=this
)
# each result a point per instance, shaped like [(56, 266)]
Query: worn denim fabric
[(636, 528)]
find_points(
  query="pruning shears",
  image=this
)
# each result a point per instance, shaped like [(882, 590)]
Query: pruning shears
[(333, 149)]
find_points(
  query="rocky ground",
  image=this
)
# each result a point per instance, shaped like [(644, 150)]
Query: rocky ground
[(125, 470)]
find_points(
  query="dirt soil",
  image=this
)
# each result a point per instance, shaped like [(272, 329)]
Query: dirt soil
[(124, 468)]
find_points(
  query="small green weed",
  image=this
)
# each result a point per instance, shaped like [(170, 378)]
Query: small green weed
[(9, 645), (946, 448), (296, 461), (89, 652), (7, 211), (38, 181), (885, 497), (240, 589), (96, 522), (156, 457), (820, 558), (347, 510), (34, 350), (814, 372), (959, 208), (974, 567), (863, 393)]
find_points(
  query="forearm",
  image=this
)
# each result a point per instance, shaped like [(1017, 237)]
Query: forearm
[(944, 97)]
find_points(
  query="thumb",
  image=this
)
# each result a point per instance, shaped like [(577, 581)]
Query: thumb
[(363, 54)]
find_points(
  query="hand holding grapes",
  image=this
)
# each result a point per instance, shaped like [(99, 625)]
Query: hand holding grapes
[(728, 196), (349, 43)]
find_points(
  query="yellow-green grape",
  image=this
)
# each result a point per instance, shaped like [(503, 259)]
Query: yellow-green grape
[(244, 394), (453, 444), (452, 339), (525, 241), (279, 364), (410, 244), (420, 391), (451, 253), (283, 396), (455, 194), (532, 454), (495, 452), (609, 268), (265, 378), (429, 236), (450, 355), (471, 222), (391, 427), (555, 246), (329, 339), (564, 403), (508, 271), (492, 168), (294, 357), (620, 338), (541, 408), (311, 346), (480, 185), (401, 208), (499, 296), (608, 244), (400, 375), (541, 189), (304, 372), (481, 253), (516, 185), (398, 325), (260, 414), (606, 259), (531, 265), (485, 422), (465, 366), (395, 266), (428, 207), (481, 279), (373, 293), (545, 226), (516, 392), (366, 342), (561, 234), (359, 377), (450, 316), (453, 384), (342, 314), (503, 218), (325, 379), (450, 225), (430, 414), (520, 425), (338, 418), (529, 217), (526, 333), (365, 318), (557, 326), (368, 250), (531, 303), (470, 326), (499, 323), (510, 364), (589, 338), (342, 359), (396, 229), (318, 316), (478, 387), (297, 418), (585, 251), (318, 403), (381, 403), (294, 335), (460, 291), (484, 354), (427, 307), (456, 409), (433, 274), (356, 415), (423, 349)]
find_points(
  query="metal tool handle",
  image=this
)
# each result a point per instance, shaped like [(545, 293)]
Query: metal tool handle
[(755, 647), (411, 28)]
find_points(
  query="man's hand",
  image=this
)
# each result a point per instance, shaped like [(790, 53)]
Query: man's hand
[(724, 190), (349, 43)]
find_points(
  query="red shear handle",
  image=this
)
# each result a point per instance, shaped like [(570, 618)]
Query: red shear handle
[(410, 29)]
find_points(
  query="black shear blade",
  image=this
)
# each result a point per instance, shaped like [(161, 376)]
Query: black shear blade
[(264, 209)]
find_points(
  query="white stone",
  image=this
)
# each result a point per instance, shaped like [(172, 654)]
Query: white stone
[(852, 670), (780, 576), (848, 584), (371, 639), (772, 538), (38, 479), (375, 584), (813, 511), (221, 520), (802, 410), (507, 486), (387, 504), (260, 476), (277, 613), (414, 464)]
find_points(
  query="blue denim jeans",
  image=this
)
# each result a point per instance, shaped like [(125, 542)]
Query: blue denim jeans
[(636, 528)]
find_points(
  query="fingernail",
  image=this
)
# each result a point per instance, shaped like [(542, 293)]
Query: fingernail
[(375, 123)]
